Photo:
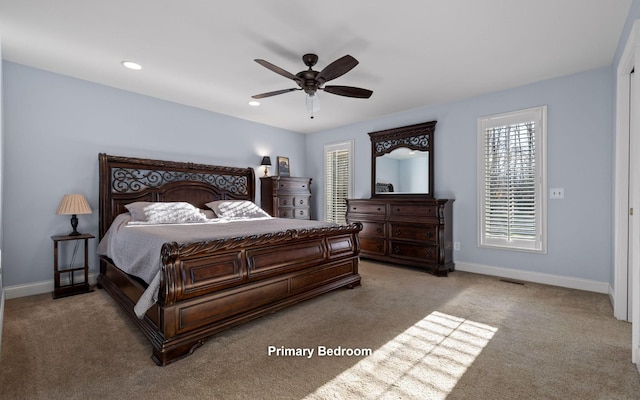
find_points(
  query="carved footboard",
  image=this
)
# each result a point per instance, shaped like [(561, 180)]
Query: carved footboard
[(211, 286)]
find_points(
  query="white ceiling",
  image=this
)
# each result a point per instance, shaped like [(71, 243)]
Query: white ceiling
[(412, 53)]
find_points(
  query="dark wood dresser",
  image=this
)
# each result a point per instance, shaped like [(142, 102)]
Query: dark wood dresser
[(406, 231), (286, 197)]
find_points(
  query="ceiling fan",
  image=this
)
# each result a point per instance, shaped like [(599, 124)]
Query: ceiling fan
[(311, 81)]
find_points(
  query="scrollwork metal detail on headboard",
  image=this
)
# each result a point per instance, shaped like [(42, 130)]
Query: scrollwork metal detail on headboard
[(131, 180), (126, 179)]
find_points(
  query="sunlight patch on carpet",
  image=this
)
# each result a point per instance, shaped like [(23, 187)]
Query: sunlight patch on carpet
[(425, 361)]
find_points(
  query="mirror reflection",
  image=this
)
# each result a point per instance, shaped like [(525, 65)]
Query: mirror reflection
[(402, 171)]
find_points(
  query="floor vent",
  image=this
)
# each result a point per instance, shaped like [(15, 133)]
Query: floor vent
[(511, 281)]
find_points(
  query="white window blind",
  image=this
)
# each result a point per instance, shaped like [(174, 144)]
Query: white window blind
[(338, 182), (511, 180)]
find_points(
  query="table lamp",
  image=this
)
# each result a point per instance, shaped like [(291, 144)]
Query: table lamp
[(266, 162), (73, 204)]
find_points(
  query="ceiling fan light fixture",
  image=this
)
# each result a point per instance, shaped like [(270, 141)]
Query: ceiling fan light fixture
[(313, 103)]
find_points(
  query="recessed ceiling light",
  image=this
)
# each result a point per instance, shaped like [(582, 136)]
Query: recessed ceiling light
[(132, 65), (254, 103)]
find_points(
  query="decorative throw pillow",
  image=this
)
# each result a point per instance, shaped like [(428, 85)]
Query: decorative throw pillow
[(143, 212), (237, 209)]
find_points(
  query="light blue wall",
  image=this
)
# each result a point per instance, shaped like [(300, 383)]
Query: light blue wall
[(579, 160), (55, 126)]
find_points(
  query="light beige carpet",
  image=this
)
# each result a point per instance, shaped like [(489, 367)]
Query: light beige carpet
[(466, 336)]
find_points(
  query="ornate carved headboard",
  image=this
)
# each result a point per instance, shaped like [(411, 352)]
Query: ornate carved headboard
[(124, 180)]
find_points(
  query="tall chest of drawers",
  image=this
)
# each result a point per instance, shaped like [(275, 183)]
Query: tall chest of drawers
[(286, 197), (403, 231)]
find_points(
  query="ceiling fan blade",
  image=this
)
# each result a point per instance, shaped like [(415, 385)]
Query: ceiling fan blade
[(277, 70), (277, 92), (348, 91), (336, 69)]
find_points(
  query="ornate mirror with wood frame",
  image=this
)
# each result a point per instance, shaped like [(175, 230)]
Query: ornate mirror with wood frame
[(402, 161)]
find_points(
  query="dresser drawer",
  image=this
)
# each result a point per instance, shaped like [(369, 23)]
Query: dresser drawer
[(424, 233), (372, 228), (293, 186), (367, 208), (285, 201), (414, 210), (414, 251), (372, 245), (299, 213), (293, 201), (301, 201), (286, 213)]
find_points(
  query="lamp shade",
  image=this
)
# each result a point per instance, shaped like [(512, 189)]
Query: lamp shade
[(72, 204), (266, 160)]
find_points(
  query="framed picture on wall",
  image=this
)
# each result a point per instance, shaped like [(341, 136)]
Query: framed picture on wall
[(283, 166)]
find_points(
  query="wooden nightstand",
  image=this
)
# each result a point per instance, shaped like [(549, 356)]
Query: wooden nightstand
[(72, 287)]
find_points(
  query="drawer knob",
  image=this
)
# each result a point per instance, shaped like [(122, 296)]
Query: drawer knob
[(428, 235), (428, 253), (284, 201), (301, 201), (379, 209), (379, 230), (301, 212), (396, 250), (397, 232)]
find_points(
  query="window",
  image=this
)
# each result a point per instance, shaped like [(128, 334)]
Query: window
[(511, 180), (338, 161)]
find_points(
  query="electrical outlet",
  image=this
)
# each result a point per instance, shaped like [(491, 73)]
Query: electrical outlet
[(556, 193), (456, 245)]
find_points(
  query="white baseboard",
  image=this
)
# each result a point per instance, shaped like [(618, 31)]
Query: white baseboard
[(30, 289), (536, 277)]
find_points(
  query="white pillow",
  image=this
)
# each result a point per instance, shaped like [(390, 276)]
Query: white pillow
[(144, 212), (237, 209)]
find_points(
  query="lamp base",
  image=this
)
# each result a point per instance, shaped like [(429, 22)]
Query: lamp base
[(74, 225)]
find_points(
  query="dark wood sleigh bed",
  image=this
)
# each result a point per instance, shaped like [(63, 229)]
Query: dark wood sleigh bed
[(210, 286)]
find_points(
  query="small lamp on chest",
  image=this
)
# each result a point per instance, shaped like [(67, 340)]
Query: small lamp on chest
[(266, 163)]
